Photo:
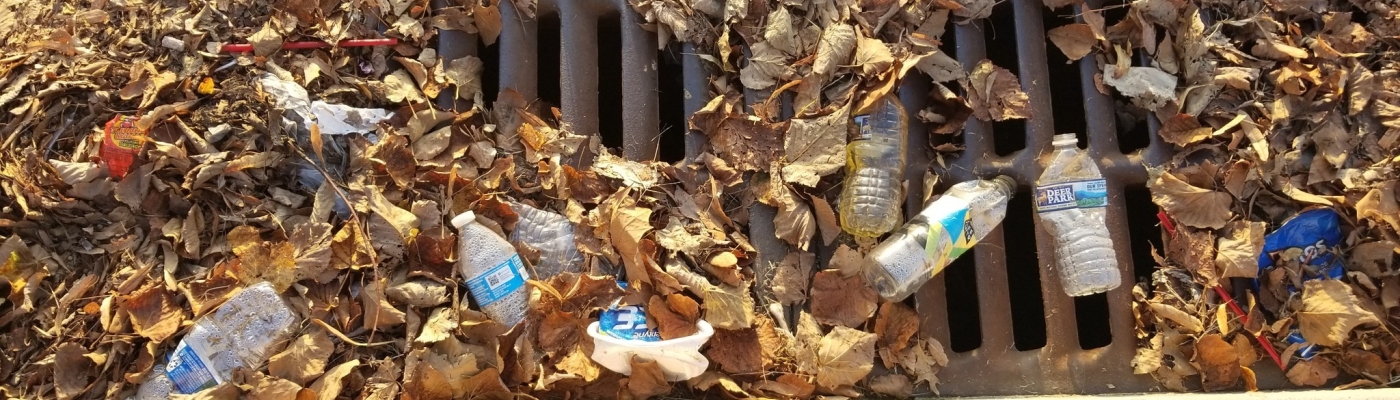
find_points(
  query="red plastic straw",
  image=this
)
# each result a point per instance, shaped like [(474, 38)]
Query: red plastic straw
[(1167, 223), (1244, 319), (248, 48)]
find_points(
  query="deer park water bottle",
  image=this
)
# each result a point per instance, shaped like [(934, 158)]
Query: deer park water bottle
[(1070, 197), (494, 273)]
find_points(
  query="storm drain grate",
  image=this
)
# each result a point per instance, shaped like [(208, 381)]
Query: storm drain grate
[(1001, 312)]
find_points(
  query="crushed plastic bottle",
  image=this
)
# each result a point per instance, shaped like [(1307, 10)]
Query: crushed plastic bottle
[(1070, 197), (871, 193), (939, 234), (240, 333), (494, 274), (550, 233)]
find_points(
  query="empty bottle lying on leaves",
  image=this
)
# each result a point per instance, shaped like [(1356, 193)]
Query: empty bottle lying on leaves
[(240, 333), (1070, 197), (870, 195), (495, 275), (939, 234), (552, 235)]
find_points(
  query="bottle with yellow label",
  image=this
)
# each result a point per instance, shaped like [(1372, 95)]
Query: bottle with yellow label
[(939, 234), (871, 192)]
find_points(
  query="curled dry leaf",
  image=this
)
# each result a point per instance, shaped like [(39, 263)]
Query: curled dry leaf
[(1191, 205), (1330, 311), (1315, 372), (646, 380), (304, 359), (843, 301), (153, 312), (1075, 40), (995, 93), (1219, 365), (844, 357), (815, 147), (1237, 252), (72, 370), (676, 316)]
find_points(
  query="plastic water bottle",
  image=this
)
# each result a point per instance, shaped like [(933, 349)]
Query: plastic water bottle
[(939, 234), (240, 333), (550, 233), (870, 195), (494, 274), (1070, 198)]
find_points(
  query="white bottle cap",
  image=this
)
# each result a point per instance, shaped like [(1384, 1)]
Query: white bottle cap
[(461, 220)]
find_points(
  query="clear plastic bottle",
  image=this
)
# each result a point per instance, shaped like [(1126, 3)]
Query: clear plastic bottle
[(240, 333), (494, 274), (1070, 198), (939, 234), (550, 233), (870, 196)]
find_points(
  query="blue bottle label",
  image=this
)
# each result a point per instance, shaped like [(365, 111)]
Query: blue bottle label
[(498, 282), (189, 372), (1078, 194)]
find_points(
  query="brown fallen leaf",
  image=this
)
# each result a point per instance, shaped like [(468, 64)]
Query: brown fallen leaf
[(843, 301), (1330, 311), (646, 380), (626, 228), (1237, 252), (676, 316), (736, 351), (729, 307), (1379, 205), (895, 325), (329, 385), (791, 276), (379, 313), (1075, 40), (304, 359), (1193, 206), (815, 147), (995, 93), (844, 357), (1315, 372), (72, 370), (1219, 365), (896, 385), (153, 312), (1186, 321), (1184, 130)]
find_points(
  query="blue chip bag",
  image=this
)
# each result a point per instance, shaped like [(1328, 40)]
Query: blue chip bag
[(1316, 232), (627, 323)]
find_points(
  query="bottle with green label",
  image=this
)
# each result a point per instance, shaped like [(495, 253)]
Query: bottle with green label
[(1070, 199), (939, 234)]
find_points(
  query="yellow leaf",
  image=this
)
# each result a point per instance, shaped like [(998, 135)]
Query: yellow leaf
[(1330, 311)]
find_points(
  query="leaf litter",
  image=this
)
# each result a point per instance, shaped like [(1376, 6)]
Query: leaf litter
[(348, 219), (1238, 90)]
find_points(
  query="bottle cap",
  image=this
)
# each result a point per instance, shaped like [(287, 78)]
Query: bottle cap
[(1007, 183), (461, 220)]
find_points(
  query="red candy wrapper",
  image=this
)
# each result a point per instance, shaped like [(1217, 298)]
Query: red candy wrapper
[(121, 141)]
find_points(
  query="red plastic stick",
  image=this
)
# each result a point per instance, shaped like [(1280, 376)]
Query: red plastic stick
[(1166, 223), (1244, 319), (247, 47)]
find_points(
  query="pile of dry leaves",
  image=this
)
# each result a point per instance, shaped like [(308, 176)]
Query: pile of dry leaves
[(1275, 108)]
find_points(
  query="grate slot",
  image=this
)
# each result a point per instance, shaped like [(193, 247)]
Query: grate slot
[(1068, 98), (1001, 47), (1023, 274), (1091, 318), (965, 328), (1143, 231), (609, 83), (671, 99), (547, 56)]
